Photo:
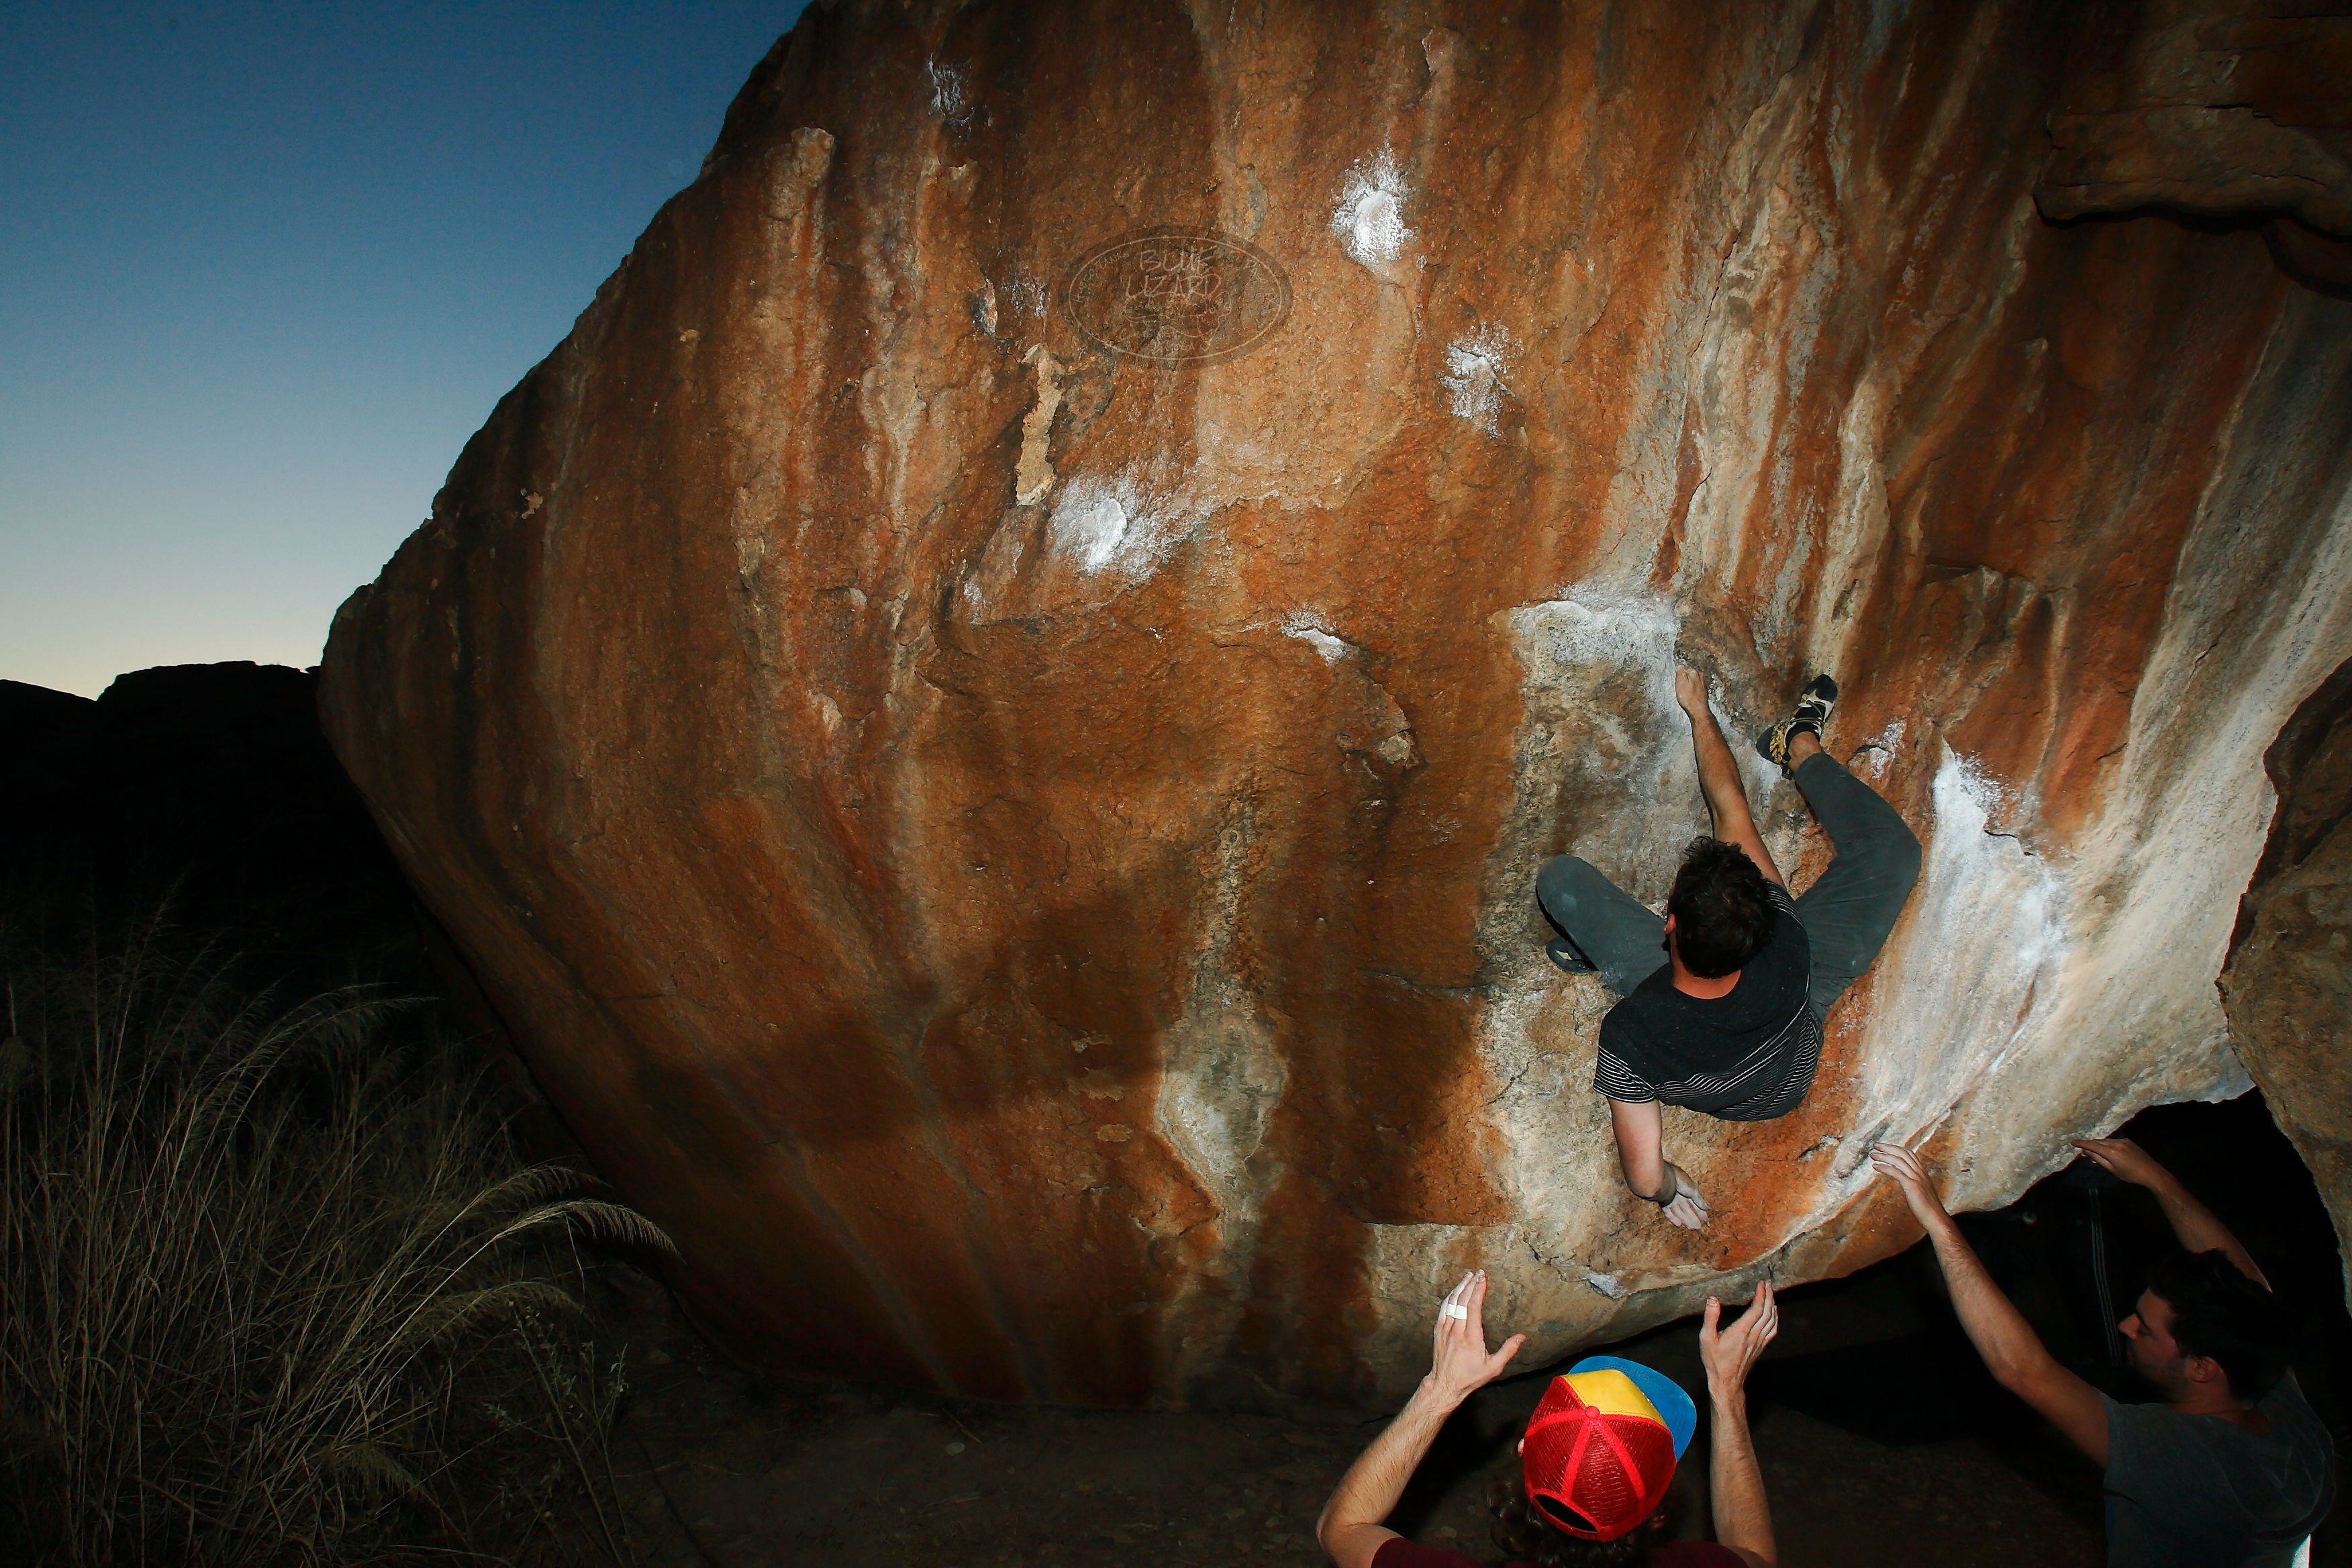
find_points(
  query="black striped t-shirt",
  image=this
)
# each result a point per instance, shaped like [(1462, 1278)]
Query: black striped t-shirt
[(1746, 1055)]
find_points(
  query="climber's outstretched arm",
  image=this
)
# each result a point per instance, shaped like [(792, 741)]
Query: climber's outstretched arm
[(2194, 1224), (1719, 775), (2013, 1351), (1653, 1178)]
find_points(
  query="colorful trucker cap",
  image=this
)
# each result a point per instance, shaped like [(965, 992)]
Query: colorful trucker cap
[(1600, 1447)]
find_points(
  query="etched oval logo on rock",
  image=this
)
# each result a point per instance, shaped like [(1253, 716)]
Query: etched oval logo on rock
[(1177, 296)]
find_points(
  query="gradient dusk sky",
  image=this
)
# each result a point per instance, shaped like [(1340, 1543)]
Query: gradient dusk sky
[(267, 267)]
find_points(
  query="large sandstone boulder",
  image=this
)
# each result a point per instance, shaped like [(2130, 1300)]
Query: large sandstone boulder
[(989, 716), (2288, 986)]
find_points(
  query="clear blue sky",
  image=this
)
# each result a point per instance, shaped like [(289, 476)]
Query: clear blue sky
[(264, 267)]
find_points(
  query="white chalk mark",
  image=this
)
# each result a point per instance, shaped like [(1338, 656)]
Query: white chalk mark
[(1605, 628), (948, 100), (1116, 524), (1312, 629), (1091, 525), (1872, 758), (1370, 218), (1950, 1009), (1476, 368)]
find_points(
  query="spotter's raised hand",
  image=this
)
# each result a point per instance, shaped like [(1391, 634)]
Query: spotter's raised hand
[(1459, 1360)]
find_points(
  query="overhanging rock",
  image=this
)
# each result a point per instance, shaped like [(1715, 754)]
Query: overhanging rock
[(989, 716)]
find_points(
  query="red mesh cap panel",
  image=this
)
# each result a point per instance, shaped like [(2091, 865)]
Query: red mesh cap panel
[(1649, 1453), (1602, 1491), (1597, 1474)]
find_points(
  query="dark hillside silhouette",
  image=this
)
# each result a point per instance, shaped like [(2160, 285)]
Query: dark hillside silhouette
[(206, 786)]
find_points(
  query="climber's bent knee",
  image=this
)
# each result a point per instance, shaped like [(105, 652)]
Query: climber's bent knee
[(1565, 885)]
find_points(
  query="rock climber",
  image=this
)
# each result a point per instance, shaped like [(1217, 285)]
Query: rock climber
[(1730, 1022), (2231, 1468), (1595, 1461)]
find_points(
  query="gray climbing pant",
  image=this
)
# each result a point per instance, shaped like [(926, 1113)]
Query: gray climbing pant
[(1847, 914)]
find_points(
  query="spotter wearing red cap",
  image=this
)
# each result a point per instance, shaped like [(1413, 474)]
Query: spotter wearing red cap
[(1600, 1447)]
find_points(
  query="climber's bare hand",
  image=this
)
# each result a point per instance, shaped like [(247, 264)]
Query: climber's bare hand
[(1689, 1210), (2122, 1158), (1690, 690), (1905, 1170)]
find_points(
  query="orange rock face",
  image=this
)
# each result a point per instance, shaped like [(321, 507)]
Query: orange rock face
[(989, 716)]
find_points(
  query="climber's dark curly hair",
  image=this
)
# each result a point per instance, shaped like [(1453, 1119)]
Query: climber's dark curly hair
[(1523, 1535), (1722, 913), (2219, 1313)]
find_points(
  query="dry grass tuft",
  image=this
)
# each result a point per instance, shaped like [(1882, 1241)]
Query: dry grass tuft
[(272, 1288)]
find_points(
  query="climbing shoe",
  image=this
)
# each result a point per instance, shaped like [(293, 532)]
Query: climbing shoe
[(1813, 711), (1562, 951)]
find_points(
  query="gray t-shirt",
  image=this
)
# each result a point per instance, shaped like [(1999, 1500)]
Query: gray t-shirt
[(2197, 1491)]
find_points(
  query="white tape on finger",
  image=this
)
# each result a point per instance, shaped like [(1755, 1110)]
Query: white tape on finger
[(1457, 1309)]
